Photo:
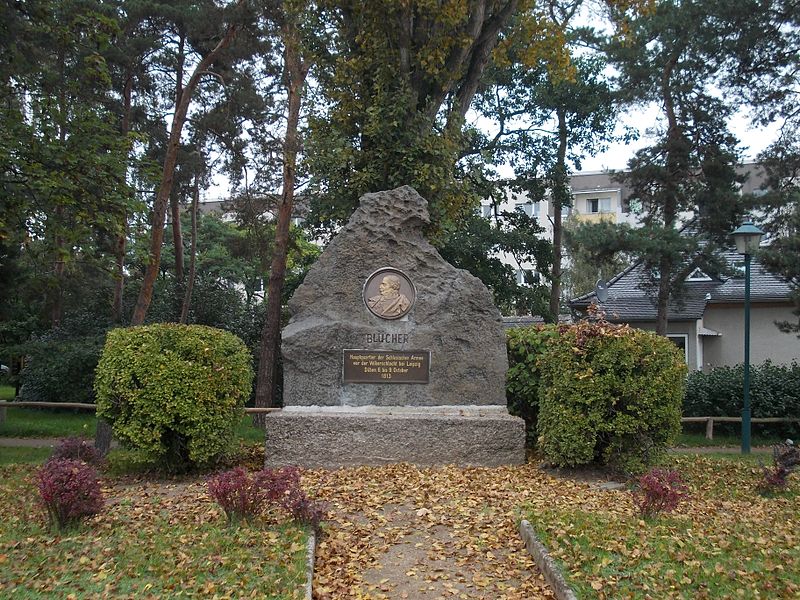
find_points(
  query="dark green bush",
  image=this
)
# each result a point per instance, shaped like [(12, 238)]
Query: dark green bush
[(774, 392), (172, 391), (525, 345), (59, 364), (609, 394)]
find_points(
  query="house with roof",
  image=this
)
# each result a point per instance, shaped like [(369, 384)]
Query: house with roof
[(597, 196), (707, 319)]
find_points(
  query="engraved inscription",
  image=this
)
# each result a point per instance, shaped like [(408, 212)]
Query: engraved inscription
[(370, 366), (386, 338)]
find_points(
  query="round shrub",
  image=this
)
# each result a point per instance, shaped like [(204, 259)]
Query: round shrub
[(173, 391), (609, 394), (69, 490)]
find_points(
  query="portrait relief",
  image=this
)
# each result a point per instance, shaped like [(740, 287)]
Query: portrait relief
[(389, 294)]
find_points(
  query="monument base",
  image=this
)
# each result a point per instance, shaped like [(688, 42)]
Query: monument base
[(333, 437)]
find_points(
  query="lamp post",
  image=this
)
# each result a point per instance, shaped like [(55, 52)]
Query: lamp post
[(747, 238)]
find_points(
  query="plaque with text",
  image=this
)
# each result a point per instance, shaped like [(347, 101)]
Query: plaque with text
[(386, 366)]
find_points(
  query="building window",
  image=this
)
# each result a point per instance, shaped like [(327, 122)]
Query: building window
[(532, 209), (525, 207), (599, 205), (527, 277), (486, 210), (681, 340)]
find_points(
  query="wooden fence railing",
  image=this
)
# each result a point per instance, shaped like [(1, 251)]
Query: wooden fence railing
[(709, 421), (81, 406)]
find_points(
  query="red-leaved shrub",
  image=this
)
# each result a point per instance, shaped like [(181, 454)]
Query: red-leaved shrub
[(77, 448), (237, 494), (244, 497), (69, 490), (659, 491), (785, 459)]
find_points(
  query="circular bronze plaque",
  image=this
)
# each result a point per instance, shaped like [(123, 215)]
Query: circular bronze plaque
[(389, 294)]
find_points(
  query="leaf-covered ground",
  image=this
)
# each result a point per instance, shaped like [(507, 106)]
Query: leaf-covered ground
[(403, 532), (153, 540), (725, 541)]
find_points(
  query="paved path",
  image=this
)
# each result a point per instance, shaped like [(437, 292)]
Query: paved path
[(29, 442)]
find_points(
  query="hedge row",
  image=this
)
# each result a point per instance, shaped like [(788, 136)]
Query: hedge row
[(774, 392)]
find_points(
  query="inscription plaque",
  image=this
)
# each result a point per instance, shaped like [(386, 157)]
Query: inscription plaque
[(386, 366)]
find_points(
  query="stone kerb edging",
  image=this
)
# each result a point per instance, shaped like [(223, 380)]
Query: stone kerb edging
[(548, 567), (310, 552)]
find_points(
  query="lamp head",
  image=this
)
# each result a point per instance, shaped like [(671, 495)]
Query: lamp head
[(747, 238)]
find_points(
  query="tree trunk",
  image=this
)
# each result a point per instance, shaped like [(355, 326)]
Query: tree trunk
[(295, 74), (102, 437), (167, 175), (187, 299), (559, 190), (177, 237), (175, 209), (673, 172), (119, 249)]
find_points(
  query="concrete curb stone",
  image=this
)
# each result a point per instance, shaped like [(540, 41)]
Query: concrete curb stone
[(310, 552), (548, 567)]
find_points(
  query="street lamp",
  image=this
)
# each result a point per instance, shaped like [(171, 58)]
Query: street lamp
[(747, 238)]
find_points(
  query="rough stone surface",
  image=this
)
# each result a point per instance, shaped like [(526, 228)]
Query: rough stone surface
[(324, 437), (453, 317)]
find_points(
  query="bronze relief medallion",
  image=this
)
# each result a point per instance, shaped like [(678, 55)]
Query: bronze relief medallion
[(389, 294)]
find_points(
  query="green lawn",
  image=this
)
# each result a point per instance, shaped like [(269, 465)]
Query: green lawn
[(152, 539), (6, 393), (43, 422), (12, 456), (39, 422), (693, 440), (726, 540)]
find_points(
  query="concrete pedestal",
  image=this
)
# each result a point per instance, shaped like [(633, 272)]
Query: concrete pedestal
[(333, 437)]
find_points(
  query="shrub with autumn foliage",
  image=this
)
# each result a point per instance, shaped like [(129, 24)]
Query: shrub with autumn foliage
[(608, 394), (77, 448), (244, 497), (659, 491), (785, 459), (173, 392), (69, 490)]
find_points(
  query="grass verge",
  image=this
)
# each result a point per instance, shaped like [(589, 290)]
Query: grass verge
[(13, 456), (695, 440), (726, 540), (45, 423), (152, 540)]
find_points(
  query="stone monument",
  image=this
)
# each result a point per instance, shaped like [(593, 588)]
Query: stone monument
[(392, 354)]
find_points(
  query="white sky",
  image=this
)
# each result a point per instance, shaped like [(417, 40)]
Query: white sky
[(752, 140)]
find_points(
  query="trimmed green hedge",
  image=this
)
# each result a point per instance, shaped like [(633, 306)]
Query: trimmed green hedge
[(525, 345), (172, 391), (606, 394), (774, 392)]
